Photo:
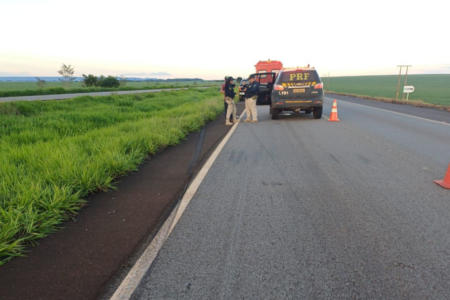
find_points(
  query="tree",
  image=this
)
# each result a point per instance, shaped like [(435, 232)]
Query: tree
[(109, 81), (67, 73), (239, 79), (40, 83), (122, 81), (90, 80), (100, 80)]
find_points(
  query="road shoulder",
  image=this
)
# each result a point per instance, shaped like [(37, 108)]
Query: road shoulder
[(86, 258)]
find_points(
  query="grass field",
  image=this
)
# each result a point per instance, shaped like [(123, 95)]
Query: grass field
[(11, 89), (56, 152), (433, 89), (20, 86)]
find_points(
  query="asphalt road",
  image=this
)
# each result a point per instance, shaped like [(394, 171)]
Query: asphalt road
[(299, 208), (69, 96), (423, 112)]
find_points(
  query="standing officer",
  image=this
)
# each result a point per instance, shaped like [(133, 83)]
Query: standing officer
[(222, 91), (229, 98), (251, 95)]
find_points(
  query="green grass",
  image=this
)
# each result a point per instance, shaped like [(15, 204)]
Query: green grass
[(54, 153), (433, 89), (11, 89)]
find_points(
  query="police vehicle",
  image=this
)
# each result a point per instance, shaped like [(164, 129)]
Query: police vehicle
[(297, 89)]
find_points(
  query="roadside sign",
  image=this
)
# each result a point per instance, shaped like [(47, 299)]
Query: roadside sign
[(408, 89)]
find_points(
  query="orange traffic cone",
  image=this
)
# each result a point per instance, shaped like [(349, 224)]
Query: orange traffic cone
[(445, 183), (334, 115)]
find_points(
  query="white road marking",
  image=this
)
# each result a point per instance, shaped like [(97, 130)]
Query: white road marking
[(242, 114), (131, 281), (397, 113), (200, 176)]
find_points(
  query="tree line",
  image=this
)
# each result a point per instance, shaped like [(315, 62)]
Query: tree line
[(89, 80)]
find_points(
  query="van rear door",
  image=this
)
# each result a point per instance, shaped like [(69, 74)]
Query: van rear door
[(266, 82), (297, 84)]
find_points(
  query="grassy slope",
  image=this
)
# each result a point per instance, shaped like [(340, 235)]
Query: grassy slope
[(433, 89), (56, 152)]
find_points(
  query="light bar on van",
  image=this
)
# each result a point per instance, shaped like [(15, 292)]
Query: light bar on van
[(318, 86), (279, 88), (298, 68)]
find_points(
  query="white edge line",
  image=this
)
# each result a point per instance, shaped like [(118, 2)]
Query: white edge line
[(133, 278), (397, 113), (200, 176)]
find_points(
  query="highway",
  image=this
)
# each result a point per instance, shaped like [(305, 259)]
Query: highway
[(69, 96), (299, 208)]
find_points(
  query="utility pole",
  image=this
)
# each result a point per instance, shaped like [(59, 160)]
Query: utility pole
[(398, 84), (399, 75), (406, 77)]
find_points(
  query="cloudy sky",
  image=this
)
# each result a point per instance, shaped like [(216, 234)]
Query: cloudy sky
[(210, 39)]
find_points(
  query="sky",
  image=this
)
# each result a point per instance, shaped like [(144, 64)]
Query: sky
[(211, 39)]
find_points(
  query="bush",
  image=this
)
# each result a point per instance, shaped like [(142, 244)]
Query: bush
[(40, 83), (110, 82), (90, 80)]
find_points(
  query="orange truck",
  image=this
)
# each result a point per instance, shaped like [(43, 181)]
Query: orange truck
[(269, 66)]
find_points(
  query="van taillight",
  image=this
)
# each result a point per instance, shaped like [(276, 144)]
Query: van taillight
[(279, 88), (318, 86)]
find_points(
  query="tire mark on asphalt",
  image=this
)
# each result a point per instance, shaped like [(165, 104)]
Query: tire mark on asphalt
[(229, 269), (196, 156), (391, 147)]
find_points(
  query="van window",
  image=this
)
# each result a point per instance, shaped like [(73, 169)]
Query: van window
[(262, 71), (265, 78), (296, 77)]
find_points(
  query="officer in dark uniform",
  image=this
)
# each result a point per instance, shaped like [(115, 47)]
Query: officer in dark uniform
[(229, 98), (222, 91), (251, 95)]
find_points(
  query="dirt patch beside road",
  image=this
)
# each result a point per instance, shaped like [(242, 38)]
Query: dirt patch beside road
[(81, 260)]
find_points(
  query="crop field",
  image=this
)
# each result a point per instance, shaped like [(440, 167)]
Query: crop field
[(433, 89), (11, 89), (54, 153)]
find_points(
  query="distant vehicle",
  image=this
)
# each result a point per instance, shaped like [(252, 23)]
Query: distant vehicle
[(241, 88), (297, 89)]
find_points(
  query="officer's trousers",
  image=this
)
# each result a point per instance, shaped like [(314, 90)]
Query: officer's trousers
[(250, 107), (231, 110)]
